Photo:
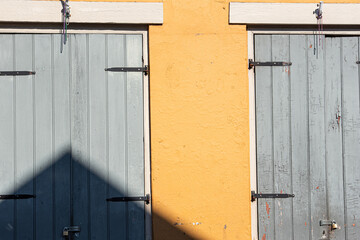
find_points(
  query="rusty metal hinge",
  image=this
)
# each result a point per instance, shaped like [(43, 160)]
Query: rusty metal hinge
[(270, 195), (269, 64), (16, 73), (144, 69), (145, 198)]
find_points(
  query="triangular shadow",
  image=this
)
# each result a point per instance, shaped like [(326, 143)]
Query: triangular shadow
[(67, 193)]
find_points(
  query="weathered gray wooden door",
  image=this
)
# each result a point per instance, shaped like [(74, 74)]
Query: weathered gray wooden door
[(72, 134), (308, 137)]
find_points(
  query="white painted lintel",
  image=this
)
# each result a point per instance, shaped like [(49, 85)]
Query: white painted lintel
[(293, 13), (82, 12)]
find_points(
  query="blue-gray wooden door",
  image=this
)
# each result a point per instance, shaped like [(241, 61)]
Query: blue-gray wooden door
[(72, 135), (308, 136)]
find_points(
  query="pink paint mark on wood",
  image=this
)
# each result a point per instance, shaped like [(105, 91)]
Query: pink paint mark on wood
[(263, 237), (267, 208), (317, 187), (305, 224), (280, 191)]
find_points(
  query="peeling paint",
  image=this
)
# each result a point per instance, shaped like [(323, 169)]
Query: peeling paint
[(267, 208), (263, 237)]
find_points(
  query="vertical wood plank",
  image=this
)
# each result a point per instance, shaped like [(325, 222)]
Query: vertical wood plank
[(24, 136), (135, 142), (43, 137), (7, 145), (264, 137), (281, 137), (351, 134), (61, 135), (79, 132), (317, 138), (334, 165), (117, 136), (98, 137), (299, 136)]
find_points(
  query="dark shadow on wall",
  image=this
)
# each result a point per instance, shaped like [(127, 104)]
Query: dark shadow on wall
[(67, 194)]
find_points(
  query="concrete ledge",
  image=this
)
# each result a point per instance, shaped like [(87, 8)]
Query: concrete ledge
[(82, 12), (293, 13)]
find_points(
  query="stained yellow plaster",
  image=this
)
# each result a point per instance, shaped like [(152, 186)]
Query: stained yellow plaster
[(199, 121)]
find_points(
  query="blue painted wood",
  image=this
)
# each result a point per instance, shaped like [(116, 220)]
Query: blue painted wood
[(351, 134), (264, 123), (307, 125), (334, 132), (24, 135), (117, 94), (98, 136), (281, 137), (43, 136), (317, 169), (135, 137), (61, 136), (72, 135), (7, 139), (299, 136)]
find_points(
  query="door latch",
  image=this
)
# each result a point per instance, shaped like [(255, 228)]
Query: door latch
[(331, 223), (270, 195), (67, 231)]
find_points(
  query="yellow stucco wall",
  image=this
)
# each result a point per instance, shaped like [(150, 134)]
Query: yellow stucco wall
[(200, 122)]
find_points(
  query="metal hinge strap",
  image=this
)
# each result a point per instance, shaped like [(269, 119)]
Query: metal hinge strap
[(146, 199), (271, 64), (270, 195), (17, 196), (16, 73), (144, 69)]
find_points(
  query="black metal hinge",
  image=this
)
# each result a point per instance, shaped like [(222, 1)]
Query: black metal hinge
[(144, 69), (270, 195), (17, 196), (357, 62), (146, 199), (271, 64), (16, 73)]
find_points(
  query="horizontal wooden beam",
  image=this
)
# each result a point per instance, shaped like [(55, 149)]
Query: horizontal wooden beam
[(293, 13), (82, 12)]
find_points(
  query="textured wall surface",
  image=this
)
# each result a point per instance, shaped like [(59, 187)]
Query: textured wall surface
[(200, 122)]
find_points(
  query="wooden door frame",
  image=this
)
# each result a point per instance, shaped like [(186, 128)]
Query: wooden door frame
[(252, 102), (111, 29)]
